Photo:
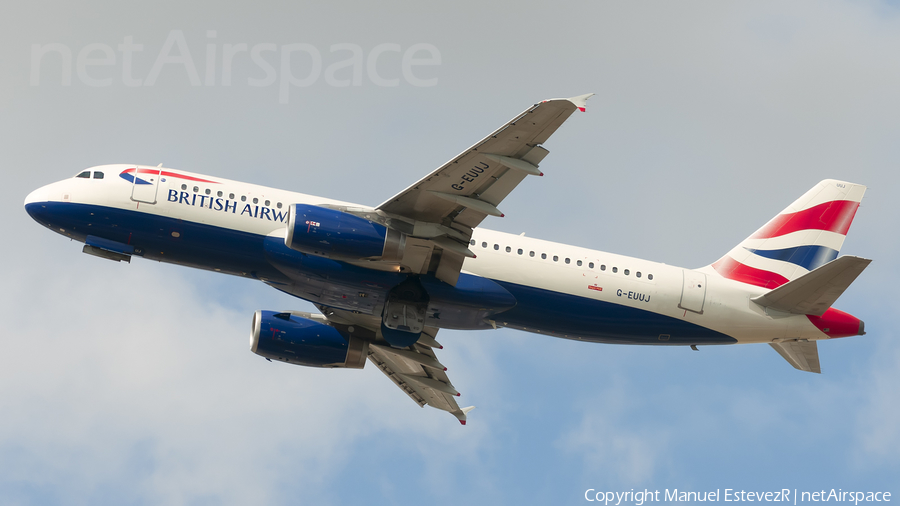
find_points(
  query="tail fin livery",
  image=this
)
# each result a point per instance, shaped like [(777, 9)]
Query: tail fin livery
[(803, 237)]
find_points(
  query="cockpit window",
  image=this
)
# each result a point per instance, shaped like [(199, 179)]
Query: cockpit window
[(86, 174), (98, 174)]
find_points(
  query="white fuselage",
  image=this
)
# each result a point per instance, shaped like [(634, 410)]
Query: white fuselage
[(699, 297)]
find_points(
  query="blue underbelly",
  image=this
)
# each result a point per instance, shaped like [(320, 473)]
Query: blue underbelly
[(574, 317)]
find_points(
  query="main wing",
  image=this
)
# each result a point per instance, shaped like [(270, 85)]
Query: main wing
[(439, 211), (438, 214), (414, 369)]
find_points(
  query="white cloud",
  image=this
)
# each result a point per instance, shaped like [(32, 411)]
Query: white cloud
[(133, 377), (137, 370), (877, 434), (612, 445)]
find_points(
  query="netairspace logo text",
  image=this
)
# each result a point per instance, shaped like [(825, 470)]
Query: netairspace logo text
[(297, 65), (785, 495)]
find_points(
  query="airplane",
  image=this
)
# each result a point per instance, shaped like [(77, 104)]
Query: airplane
[(386, 279)]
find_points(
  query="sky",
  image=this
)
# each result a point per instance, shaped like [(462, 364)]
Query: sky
[(133, 384)]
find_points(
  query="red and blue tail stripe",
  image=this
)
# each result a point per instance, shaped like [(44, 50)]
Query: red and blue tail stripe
[(835, 216), (808, 256), (732, 269), (803, 237)]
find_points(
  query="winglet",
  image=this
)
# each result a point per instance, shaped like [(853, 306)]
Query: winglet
[(461, 414), (581, 101)]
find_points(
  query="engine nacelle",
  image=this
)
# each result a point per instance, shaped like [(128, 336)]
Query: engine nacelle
[(335, 234), (303, 341)]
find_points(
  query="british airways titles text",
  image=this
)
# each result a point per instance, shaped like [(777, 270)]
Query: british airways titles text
[(227, 206)]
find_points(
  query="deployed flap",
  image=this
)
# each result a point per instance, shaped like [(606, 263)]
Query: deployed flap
[(462, 192), (418, 373), (415, 369), (803, 355), (814, 292)]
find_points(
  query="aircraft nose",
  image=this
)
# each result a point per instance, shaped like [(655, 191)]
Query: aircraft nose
[(34, 196), (35, 203)]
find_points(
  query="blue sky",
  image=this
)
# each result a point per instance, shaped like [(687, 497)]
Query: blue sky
[(134, 384)]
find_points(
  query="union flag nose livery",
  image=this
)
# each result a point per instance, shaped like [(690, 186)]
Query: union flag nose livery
[(386, 279)]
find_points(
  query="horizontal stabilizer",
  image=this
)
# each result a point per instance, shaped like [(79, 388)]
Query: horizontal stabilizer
[(814, 292), (803, 355)]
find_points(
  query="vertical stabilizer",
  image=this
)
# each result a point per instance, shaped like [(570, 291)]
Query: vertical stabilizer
[(803, 237)]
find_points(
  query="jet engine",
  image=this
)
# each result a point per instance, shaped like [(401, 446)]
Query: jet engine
[(304, 341), (339, 235)]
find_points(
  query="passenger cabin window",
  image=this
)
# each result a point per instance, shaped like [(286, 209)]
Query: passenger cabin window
[(484, 245), (615, 269), (279, 207), (579, 263), (267, 203), (531, 253), (243, 198), (543, 256), (520, 251), (255, 200), (638, 273), (184, 187), (231, 196), (219, 193), (568, 261), (626, 272), (472, 242), (591, 265), (650, 276), (86, 174), (602, 267), (98, 174), (508, 249), (208, 191), (196, 189), (555, 258)]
